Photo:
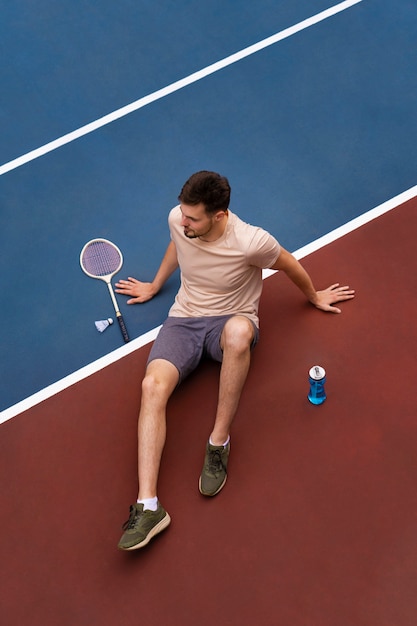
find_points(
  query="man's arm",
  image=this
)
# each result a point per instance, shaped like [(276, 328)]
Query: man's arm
[(141, 292), (324, 299)]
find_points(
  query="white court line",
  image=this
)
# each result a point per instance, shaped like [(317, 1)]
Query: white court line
[(143, 340), (357, 222), (176, 86)]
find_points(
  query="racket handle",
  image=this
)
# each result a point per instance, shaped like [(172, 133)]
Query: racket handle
[(122, 327)]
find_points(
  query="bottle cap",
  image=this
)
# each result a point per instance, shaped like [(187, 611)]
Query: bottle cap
[(317, 372)]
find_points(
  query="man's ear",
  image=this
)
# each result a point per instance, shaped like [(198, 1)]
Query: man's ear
[(220, 215)]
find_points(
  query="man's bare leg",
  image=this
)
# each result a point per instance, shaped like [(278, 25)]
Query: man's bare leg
[(160, 380), (147, 519), (236, 342)]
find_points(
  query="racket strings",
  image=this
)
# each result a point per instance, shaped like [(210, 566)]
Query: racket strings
[(101, 258)]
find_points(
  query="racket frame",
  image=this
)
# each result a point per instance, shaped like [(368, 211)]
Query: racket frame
[(107, 279)]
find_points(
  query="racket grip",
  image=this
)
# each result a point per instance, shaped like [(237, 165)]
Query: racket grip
[(122, 327)]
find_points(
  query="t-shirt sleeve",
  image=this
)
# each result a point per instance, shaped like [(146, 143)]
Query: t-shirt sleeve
[(171, 219), (263, 249)]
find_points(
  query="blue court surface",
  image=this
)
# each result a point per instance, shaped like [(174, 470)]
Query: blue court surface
[(312, 131)]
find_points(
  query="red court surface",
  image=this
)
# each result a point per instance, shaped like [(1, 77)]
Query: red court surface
[(316, 525)]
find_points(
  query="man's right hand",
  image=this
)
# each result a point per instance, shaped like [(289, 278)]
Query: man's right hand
[(140, 292)]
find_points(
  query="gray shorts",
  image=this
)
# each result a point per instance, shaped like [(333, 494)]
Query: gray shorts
[(185, 341)]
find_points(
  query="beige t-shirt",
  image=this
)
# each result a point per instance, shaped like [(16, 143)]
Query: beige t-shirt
[(222, 277)]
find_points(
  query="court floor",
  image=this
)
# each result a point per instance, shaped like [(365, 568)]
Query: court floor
[(315, 128), (316, 523)]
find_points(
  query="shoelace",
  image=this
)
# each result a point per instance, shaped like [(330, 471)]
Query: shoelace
[(215, 463), (130, 523)]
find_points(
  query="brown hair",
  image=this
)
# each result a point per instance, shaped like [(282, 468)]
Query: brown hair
[(209, 188)]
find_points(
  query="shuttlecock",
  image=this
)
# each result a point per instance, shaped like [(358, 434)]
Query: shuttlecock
[(101, 325)]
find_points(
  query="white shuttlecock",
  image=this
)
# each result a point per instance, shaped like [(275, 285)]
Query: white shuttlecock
[(101, 325)]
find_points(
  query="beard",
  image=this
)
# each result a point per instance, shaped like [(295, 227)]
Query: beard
[(190, 233)]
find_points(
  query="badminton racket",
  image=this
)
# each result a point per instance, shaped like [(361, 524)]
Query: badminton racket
[(102, 259)]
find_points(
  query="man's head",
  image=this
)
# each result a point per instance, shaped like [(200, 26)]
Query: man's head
[(206, 188), (204, 201)]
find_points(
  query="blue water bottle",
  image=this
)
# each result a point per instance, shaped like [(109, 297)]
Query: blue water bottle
[(317, 378)]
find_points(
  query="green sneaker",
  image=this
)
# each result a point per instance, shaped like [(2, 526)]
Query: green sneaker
[(214, 472), (142, 526)]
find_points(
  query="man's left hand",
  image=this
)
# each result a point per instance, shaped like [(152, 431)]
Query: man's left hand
[(326, 298)]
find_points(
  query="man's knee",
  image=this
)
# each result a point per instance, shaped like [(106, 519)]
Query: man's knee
[(161, 378), (238, 334)]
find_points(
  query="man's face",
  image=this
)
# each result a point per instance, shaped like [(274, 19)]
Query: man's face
[(195, 221)]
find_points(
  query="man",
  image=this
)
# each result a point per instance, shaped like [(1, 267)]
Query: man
[(215, 314)]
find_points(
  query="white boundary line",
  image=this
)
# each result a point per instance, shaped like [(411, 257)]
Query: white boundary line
[(176, 86), (357, 222), (79, 375), (127, 349)]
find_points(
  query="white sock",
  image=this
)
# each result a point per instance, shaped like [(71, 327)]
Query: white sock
[(224, 444), (150, 504)]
